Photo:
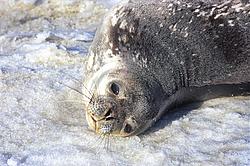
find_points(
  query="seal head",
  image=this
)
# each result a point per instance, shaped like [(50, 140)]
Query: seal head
[(121, 103)]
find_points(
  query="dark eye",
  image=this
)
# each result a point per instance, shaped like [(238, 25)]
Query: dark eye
[(128, 128), (115, 88)]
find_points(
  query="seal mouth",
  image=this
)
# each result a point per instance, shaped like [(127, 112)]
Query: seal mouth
[(110, 126), (105, 116), (91, 121), (113, 126), (101, 125)]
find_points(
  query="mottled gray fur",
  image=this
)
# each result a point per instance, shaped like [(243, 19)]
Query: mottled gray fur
[(181, 51)]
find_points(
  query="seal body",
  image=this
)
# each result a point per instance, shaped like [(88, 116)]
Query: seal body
[(151, 56)]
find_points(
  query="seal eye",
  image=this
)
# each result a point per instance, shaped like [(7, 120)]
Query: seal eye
[(115, 88), (128, 128)]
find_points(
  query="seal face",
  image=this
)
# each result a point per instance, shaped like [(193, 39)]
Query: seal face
[(151, 56), (119, 99)]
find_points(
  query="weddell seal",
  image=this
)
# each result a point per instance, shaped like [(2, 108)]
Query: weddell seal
[(150, 56)]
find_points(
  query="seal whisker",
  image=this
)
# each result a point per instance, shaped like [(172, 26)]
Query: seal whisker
[(79, 81), (108, 136), (74, 89), (71, 77), (110, 148), (109, 144), (94, 144), (106, 142), (73, 101), (101, 143)]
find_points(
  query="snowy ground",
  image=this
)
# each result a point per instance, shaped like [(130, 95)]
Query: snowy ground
[(43, 44)]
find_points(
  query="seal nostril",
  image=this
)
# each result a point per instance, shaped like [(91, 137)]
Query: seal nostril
[(108, 113), (128, 128), (110, 118)]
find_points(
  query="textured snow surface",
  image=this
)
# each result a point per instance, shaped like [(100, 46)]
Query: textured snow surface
[(43, 45)]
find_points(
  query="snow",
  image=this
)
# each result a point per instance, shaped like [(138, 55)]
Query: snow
[(43, 46)]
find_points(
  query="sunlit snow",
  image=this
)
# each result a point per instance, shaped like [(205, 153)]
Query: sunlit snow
[(43, 46)]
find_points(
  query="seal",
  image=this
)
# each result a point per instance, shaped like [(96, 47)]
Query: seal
[(151, 56)]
